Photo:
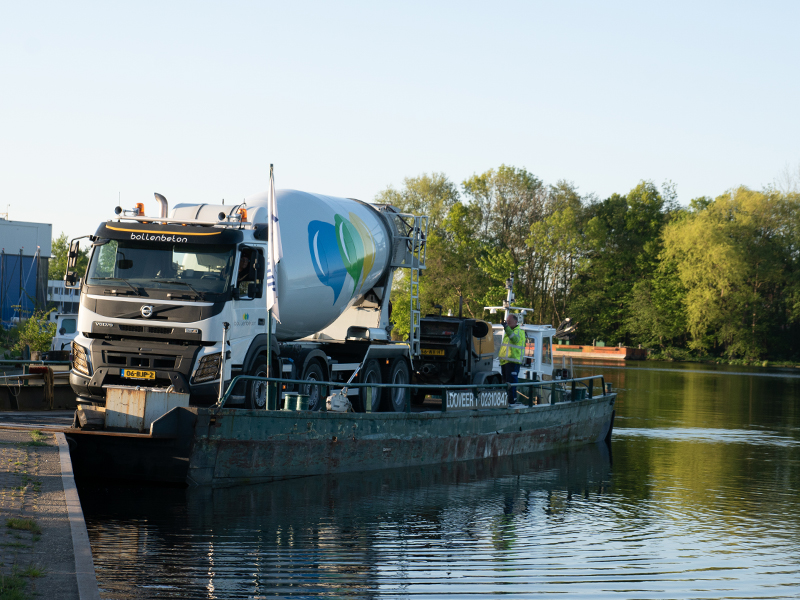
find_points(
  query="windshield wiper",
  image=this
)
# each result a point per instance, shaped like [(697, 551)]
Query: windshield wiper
[(189, 285), (135, 291)]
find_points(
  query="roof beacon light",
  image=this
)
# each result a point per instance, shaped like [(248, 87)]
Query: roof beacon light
[(139, 209), (242, 214)]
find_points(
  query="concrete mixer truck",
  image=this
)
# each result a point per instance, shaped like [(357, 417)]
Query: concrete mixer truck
[(178, 300)]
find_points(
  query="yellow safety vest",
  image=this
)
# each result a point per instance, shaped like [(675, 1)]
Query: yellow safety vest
[(511, 350)]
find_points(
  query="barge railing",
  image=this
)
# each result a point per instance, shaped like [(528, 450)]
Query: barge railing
[(579, 388), (34, 371)]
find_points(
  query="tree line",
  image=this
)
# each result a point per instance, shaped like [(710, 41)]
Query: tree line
[(718, 277)]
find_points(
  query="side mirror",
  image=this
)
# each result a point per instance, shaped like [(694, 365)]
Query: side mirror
[(74, 253), (70, 277), (71, 280), (62, 331)]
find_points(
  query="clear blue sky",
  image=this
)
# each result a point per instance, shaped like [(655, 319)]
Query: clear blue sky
[(195, 99)]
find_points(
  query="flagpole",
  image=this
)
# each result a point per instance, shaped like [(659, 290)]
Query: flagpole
[(270, 395), (272, 401)]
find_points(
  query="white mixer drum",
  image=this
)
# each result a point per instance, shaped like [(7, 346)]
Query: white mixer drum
[(334, 251)]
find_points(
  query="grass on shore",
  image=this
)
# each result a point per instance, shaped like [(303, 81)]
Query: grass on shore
[(37, 439), (23, 525), (12, 587)]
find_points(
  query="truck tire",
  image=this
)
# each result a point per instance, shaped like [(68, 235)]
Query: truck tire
[(372, 374), (256, 391), (398, 373), (316, 393)]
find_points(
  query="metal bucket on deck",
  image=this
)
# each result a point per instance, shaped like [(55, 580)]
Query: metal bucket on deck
[(295, 402)]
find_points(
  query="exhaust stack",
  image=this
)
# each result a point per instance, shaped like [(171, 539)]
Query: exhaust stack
[(162, 202)]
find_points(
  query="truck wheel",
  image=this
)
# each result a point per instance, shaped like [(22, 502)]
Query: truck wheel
[(372, 374), (316, 393), (256, 391), (399, 374)]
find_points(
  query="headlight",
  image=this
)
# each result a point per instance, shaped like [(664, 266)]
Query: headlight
[(81, 361), (208, 369)]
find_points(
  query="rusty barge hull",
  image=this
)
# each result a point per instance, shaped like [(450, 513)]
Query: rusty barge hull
[(224, 447)]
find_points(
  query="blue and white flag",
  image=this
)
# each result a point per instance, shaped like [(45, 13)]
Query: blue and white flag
[(275, 249)]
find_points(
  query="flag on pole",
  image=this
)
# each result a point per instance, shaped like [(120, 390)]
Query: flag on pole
[(275, 249)]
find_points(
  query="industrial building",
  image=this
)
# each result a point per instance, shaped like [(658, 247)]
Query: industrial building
[(62, 298), (25, 250)]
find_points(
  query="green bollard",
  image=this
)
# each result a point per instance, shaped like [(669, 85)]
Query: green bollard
[(272, 396), (367, 399)]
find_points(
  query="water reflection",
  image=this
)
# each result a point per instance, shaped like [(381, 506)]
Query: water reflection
[(701, 501), (347, 535)]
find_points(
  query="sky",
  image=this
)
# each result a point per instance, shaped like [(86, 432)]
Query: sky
[(105, 103)]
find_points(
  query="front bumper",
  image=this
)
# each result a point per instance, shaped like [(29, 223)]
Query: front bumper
[(93, 388)]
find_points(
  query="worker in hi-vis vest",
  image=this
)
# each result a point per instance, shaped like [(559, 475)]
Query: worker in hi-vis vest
[(511, 353)]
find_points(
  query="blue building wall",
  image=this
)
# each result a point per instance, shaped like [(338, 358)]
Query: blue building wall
[(19, 298)]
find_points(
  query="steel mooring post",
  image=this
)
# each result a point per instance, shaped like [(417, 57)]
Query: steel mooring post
[(272, 397)]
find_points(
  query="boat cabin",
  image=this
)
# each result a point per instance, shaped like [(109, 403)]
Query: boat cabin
[(537, 360)]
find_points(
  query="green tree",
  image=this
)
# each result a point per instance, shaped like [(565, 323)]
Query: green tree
[(622, 237), (737, 259), (557, 247), (432, 195), (656, 312), (510, 200), (454, 249), (36, 332)]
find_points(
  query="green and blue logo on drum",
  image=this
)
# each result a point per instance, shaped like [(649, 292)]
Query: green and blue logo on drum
[(344, 248)]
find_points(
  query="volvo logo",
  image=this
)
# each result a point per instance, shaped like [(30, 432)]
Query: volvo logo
[(147, 311)]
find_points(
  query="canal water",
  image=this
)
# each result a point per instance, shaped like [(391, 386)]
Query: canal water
[(697, 497)]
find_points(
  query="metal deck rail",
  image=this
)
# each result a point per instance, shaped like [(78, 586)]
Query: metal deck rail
[(567, 390)]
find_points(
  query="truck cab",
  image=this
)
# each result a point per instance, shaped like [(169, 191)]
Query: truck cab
[(154, 301)]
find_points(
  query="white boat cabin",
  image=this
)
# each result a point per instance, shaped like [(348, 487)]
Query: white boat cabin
[(537, 360)]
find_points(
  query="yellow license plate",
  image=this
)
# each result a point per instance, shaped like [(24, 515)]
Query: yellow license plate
[(136, 374), (432, 352)]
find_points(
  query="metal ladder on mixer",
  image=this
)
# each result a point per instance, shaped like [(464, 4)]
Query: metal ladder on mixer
[(417, 248)]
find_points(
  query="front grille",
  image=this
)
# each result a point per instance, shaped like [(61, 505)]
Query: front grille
[(134, 328), (141, 361), (160, 330)]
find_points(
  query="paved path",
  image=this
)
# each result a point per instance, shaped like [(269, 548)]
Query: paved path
[(34, 474), (37, 419)]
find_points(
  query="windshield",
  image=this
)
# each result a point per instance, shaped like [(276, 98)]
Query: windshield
[(191, 268)]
